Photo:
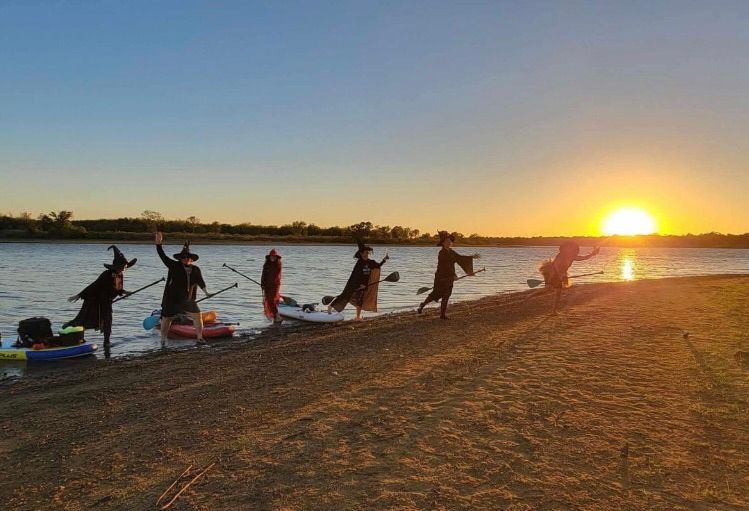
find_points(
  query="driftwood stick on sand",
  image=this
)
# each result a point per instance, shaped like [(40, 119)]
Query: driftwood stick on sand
[(174, 499), (174, 484)]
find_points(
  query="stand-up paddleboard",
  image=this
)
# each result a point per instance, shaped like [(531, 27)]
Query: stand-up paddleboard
[(9, 352), (291, 312), (210, 330)]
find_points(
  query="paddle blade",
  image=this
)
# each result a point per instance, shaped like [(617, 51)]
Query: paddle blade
[(393, 277), (151, 321), (534, 282), (327, 300), (423, 290)]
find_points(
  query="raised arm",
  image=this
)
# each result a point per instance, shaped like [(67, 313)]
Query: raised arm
[(586, 257), (384, 260), (158, 239), (93, 289)]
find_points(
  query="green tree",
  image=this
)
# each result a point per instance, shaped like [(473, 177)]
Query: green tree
[(382, 232), (361, 230), (299, 228), (192, 222)]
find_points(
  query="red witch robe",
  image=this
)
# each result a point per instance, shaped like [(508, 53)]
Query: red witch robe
[(271, 284)]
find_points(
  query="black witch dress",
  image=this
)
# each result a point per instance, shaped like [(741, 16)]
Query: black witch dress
[(353, 292), (181, 288), (445, 275), (96, 311)]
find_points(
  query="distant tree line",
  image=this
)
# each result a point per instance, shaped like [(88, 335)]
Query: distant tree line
[(61, 225)]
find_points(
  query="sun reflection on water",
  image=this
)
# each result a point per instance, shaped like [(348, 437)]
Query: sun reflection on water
[(628, 269)]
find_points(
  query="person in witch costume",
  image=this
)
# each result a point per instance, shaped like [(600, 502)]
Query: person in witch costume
[(96, 311), (361, 288), (270, 282), (181, 288), (555, 271), (445, 275)]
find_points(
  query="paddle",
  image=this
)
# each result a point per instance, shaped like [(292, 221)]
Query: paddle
[(284, 298), (393, 277), (162, 279), (218, 292), (535, 282), (423, 290), (151, 321)]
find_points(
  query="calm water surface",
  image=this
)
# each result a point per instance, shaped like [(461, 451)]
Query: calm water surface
[(36, 279)]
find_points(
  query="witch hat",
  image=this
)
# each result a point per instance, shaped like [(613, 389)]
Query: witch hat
[(119, 261), (444, 235), (186, 253), (362, 248)]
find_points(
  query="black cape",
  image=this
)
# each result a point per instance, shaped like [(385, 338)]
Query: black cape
[(357, 279), (96, 311), (180, 289), (445, 274)]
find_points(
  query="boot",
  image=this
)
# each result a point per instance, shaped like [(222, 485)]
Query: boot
[(443, 310)]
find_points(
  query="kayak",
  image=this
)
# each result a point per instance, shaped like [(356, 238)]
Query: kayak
[(209, 331), (8, 352), (292, 312)]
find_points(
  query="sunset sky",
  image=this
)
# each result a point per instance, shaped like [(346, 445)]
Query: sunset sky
[(501, 118)]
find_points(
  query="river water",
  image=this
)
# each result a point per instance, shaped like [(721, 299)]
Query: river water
[(36, 278)]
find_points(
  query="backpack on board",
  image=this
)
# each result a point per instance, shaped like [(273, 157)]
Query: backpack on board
[(34, 330)]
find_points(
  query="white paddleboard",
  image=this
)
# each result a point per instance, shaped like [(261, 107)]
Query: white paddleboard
[(311, 316)]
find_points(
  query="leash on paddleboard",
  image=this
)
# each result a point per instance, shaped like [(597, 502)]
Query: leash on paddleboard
[(423, 290), (162, 279)]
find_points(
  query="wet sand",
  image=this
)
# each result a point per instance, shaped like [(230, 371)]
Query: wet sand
[(635, 397)]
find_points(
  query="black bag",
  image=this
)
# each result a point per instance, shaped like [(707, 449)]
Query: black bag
[(73, 339), (34, 330)]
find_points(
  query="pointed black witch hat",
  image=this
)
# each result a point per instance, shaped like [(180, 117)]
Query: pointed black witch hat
[(363, 247), (119, 261), (443, 236), (186, 253)]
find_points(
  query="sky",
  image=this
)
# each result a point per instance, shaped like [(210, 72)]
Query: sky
[(498, 118)]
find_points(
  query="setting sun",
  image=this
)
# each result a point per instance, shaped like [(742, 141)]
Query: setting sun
[(629, 222)]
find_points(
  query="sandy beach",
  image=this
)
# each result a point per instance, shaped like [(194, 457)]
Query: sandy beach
[(635, 397)]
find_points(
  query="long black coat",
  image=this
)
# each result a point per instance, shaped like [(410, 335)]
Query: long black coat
[(445, 274), (96, 311), (359, 277), (180, 288)]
